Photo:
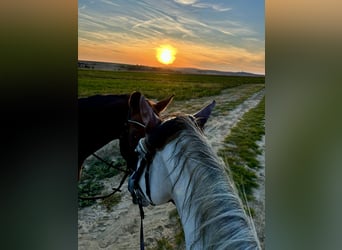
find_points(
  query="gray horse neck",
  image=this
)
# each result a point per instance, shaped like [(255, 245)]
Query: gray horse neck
[(211, 212)]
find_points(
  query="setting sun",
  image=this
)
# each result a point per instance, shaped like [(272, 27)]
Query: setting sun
[(166, 54)]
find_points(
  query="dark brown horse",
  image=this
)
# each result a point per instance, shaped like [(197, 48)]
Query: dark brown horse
[(103, 118)]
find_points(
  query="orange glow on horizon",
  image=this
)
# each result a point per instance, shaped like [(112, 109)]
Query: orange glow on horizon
[(191, 56)]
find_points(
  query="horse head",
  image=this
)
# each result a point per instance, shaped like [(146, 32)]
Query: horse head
[(135, 129)]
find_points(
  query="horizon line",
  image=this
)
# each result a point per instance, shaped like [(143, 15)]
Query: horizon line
[(172, 67)]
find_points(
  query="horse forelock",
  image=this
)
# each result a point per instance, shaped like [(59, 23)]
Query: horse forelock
[(221, 221)]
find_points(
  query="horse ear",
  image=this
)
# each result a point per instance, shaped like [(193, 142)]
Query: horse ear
[(161, 105), (134, 101), (203, 115), (149, 118)]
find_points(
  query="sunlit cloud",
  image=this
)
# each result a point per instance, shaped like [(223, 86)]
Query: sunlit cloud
[(186, 1), (230, 58), (211, 6), (165, 24)]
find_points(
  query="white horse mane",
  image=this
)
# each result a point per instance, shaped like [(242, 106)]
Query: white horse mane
[(220, 218)]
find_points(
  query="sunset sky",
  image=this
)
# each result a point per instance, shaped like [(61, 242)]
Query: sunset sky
[(226, 35)]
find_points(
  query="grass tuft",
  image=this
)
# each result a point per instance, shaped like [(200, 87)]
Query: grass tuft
[(111, 201), (162, 244)]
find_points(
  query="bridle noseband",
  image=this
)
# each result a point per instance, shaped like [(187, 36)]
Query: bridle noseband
[(136, 123)]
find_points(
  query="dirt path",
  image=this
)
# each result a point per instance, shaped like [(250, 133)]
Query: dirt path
[(120, 228)]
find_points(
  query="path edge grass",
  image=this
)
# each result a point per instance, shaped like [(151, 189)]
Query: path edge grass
[(241, 150)]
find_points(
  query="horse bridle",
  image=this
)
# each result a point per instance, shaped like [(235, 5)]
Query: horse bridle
[(145, 157)]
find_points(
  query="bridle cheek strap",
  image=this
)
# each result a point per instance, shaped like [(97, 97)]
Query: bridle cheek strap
[(146, 157), (144, 163)]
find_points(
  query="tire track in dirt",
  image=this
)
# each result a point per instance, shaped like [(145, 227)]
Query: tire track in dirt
[(120, 228)]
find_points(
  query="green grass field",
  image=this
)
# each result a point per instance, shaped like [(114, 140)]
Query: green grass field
[(240, 150), (157, 85)]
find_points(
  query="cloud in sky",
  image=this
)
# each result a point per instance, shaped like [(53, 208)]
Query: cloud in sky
[(211, 6), (186, 1), (129, 31)]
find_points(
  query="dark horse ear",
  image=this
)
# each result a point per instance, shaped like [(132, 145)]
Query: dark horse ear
[(203, 115), (158, 107), (134, 101), (161, 105), (149, 118)]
